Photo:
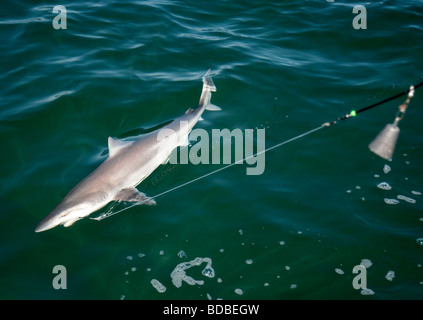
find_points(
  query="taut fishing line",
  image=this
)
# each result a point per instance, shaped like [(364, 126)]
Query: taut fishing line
[(353, 113)]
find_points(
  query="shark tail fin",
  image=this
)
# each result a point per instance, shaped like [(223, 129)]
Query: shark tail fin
[(209, 84), (208, 81)]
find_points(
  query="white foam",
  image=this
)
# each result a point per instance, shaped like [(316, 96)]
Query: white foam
[(208, 272), (239, 291), (339, 271), (390, 275), (249, 261), (391, 201), (178, 274), (158, 286), (420, 241), (367, 292), (181, 254), (384, 186), (416, 193), (366, 263), (407, 199), (386, 169)]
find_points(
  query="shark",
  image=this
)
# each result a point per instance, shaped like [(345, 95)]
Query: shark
[(129, 163)]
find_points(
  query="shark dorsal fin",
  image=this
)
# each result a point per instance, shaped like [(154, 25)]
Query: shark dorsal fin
[(116, 145)]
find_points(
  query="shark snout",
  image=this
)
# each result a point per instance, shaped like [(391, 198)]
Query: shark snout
[(66, 214), (58, 216), (49, 222), (45, 225)]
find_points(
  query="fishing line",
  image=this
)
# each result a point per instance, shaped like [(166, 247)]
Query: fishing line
[(109, 214), (324, 125)]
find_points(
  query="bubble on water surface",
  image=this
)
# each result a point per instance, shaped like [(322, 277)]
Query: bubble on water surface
[(158, 285), (181, 254), (407, 199), (239, 291), (390, 275), (367, 292), (367, 263), (391, 201), (384, 186), (386, 169), (339, 271), (208, 272)]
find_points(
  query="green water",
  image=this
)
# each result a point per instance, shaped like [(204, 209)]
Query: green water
[(294, 232)]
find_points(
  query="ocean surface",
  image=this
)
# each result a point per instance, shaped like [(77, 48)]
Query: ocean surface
[(324, 203)]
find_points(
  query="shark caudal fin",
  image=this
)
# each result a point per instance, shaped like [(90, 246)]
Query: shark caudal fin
[(208, 81), (209, 86)]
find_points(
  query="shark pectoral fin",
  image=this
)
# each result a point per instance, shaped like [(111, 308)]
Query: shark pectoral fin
[(133, 195), (70, 222), (212, 107), (116, 145)]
